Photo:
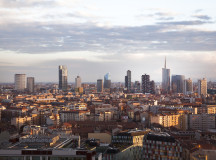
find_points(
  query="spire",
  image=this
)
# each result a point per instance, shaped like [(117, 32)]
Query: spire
[(165, 62)]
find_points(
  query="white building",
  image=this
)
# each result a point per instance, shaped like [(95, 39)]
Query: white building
[(20, 82), (78, 82)]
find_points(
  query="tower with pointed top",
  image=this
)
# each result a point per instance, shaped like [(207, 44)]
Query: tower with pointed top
[(165, 79)]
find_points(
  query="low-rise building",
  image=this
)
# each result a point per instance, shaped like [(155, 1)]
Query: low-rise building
[(161, 146)]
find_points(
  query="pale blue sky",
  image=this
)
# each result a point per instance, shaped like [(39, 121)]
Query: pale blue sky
[(93, 37)]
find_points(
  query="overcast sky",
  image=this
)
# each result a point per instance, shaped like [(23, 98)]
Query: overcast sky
[(93, 37)]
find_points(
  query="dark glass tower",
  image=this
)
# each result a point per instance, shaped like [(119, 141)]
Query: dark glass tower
[(107, 81), (128, 80), (63, 78), (145, 83), (178, 83)]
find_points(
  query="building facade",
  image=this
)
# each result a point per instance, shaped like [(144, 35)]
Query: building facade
[(161, 146), (201, 122)]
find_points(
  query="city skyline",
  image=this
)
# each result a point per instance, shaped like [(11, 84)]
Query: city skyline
[(90, 40)]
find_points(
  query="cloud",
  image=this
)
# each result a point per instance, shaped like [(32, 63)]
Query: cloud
[(202, 17), (191, 22), (37, 38), (23, 3)]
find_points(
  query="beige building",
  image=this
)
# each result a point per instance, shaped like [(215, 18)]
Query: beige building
[(211, 109), (20, 121), (108, 116), (202, 87), (68, 116), (170, 120)]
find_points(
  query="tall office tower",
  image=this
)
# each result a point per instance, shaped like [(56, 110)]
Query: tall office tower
[(30, 84), (128, 80), (152, 87), (63, 77), (145, 83), (137, 86), (107, 80), (188, 86), (20, 82), (100, 85), (165, 79), (178, 83), (202, 87), (78, 82)]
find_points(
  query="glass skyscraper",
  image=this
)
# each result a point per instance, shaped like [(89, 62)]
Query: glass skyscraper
[(165, 79), (30, 84), (100, 85), (128, 80), (107, 80), (63, 77), (178, 83)]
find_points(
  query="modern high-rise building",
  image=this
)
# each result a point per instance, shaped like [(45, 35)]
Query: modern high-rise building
[(63, 77), (100, 85), (188, 86), (137, 86), (152, 87), (128, 80), (20, 82), (78, 82), (202, 87), (177, 83), (30, 84), (145, 84), (107, 80), (165, 79)]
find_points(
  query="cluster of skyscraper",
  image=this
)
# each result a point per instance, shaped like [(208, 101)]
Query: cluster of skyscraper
[(181, 85), (63, 73), (178, 83), (146, 85), (20, 83)]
